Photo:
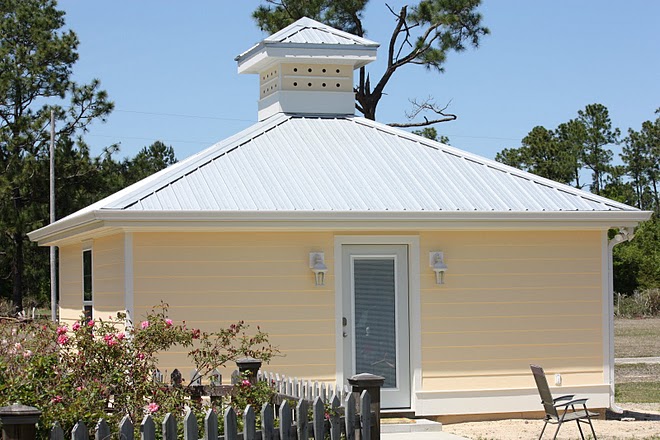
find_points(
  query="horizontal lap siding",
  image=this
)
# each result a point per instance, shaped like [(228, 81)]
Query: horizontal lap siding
[(108, 259), (511, 299), (70, 263), (108, 278), (212, 280)]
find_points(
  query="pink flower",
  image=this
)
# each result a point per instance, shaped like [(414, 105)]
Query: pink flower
[(62, 339), (56, 399), (120, 336), (75, 326), (62, 330), (140, 356), (112, 342), (79, 388), (168, 322), (152, 407), (107, 338), (144, 324), (27, 353), (17, 346), (246, 383), (91, 323)]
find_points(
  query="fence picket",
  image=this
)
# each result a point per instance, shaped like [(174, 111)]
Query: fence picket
[(365, 415), (301, 419), (319, 419), (102, 430), (56, 432), (324, 391), (249, 422), (267, 422), (79, 432), (335, 427), (350, 419), (169, 427), (285, 421), (231, 430), (216, 378), (278, 388), (126, 428), (211, 425), (190, 431), (147, 428)]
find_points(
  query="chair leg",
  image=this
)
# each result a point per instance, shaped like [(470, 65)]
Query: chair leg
[(580, 428), (592, 427), (557, 431), (543, 430)]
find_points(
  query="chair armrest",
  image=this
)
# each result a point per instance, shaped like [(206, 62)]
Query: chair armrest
[(573, 402), (567, 397)]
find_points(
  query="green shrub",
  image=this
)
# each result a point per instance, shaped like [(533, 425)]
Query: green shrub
[(641, 304), (100, 369)]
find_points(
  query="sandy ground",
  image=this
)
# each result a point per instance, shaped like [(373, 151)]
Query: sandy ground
[(530, 429)]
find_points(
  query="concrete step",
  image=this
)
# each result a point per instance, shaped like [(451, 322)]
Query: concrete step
[(400, 425)]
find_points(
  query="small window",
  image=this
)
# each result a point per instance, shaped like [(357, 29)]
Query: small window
[(88, 290)]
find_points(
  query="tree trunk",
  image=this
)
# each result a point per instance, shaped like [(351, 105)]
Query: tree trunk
[(17, 272)]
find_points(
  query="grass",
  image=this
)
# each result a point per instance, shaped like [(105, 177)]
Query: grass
[(638, 392), (636, 337), (638, 383)]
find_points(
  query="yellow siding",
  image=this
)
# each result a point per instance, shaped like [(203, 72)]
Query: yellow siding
[(108, 278), (70, 260), (511, 299), (211, 280)]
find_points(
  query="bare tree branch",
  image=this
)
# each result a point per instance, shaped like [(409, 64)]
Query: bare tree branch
[(420, 107)]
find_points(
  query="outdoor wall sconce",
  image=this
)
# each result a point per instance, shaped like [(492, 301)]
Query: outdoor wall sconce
[(317, 264), (437, 263)]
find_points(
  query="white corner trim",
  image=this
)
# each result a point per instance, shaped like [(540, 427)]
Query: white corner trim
[(414, 303), (129, 300)]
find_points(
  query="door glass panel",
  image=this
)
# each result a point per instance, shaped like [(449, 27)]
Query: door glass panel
[(375, 318)]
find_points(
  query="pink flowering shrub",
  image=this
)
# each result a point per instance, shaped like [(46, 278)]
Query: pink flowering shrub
[(101, 369)]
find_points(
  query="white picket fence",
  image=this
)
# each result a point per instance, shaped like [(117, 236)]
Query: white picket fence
[(295, 388)]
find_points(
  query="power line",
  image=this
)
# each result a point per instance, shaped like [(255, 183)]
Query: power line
[(151, 139), (180, 115)]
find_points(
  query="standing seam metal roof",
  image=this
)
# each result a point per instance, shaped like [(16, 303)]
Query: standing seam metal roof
[(346, 163)]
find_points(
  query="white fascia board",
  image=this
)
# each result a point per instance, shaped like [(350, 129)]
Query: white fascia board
[(374, 221)]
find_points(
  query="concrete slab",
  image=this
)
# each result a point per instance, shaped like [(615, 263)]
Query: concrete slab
[(420, 436), (409, 425)]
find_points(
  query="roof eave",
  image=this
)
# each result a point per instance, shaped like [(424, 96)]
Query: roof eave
[(265, 54), (276, 220)]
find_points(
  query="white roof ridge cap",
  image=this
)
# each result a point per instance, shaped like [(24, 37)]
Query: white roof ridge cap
[(495, 164)]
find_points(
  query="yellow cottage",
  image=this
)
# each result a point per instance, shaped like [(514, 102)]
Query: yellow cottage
[(360, 248)]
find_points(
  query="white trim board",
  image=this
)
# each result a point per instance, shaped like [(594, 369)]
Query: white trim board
[(414, 303), (129, 301), (433, 403)]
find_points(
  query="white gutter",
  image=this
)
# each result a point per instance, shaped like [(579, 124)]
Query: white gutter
[(274, 220), (624, 234)]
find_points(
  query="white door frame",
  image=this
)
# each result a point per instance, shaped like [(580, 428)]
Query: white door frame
[(414, 307)]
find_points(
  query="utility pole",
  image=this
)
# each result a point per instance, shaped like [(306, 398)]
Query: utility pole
[(53, 274)]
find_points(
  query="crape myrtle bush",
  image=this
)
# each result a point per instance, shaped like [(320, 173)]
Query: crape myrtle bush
[(104, 369)]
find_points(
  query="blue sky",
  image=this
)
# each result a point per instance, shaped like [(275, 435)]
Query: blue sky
[(169, 67)]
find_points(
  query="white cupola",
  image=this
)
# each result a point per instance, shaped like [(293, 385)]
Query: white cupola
[(307, 68)]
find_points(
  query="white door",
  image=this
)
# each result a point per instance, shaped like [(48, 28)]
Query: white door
[(375, 306)]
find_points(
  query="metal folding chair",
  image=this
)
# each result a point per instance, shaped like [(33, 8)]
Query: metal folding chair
[(566, 404)]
